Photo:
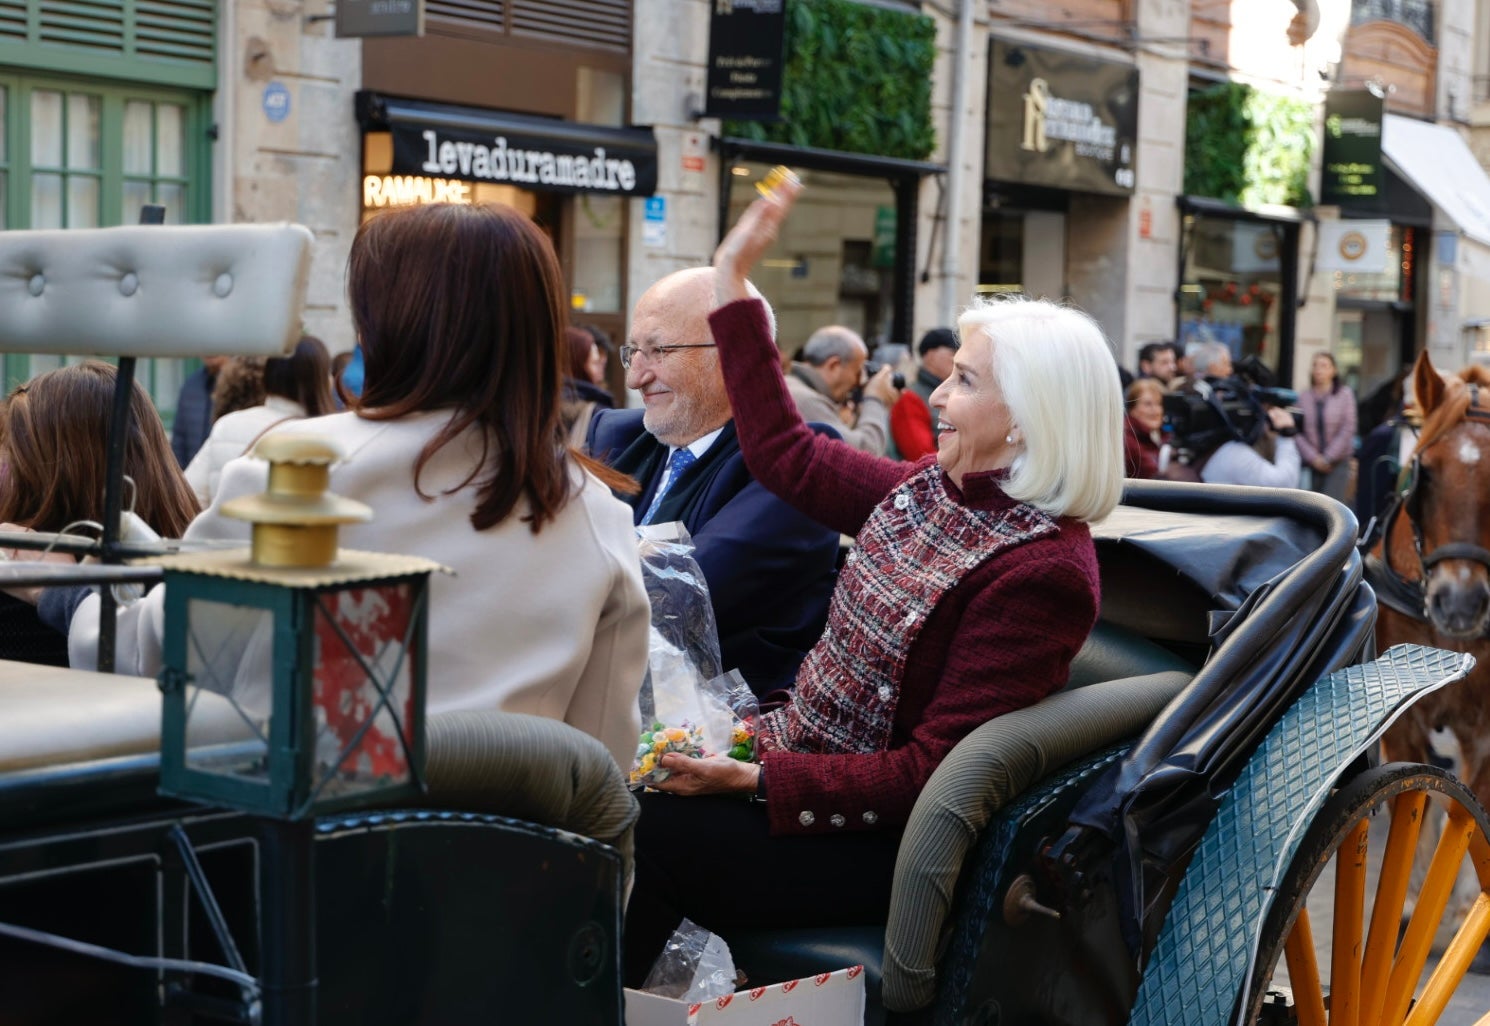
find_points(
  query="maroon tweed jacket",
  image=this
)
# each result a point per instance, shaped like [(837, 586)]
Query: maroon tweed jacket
[(1002, 638)]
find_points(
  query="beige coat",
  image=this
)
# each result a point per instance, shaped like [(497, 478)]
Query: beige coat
[(554, 624)]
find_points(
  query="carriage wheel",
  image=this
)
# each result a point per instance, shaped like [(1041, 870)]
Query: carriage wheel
[(1345, 957)]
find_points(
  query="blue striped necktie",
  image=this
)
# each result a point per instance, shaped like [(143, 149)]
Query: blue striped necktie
[(676, 464)]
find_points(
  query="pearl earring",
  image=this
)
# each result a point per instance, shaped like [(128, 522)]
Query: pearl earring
[(1009, 438)]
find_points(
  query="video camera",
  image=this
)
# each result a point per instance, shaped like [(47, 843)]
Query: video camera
[(1212, 411)]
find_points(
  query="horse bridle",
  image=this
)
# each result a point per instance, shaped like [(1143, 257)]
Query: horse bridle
[(1402, 595)]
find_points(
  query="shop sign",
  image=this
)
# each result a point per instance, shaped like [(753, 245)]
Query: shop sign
[(276, 102), (380, 191), (745, 45), (1359, 246), (654, 223), (884, 238), (1060, 120), (1352, 150), (356, 18), (532, 162), (695, 151)]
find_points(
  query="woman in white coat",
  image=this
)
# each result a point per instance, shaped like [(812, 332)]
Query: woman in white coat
[(458, 446), (295, 386)]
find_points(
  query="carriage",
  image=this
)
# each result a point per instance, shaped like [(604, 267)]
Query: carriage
[(1190, 831)]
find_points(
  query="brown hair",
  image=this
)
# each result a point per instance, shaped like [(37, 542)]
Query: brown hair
[(239, 385), (1140, 386), (54, 427), (577, 343), (303, 376), (461, 307)]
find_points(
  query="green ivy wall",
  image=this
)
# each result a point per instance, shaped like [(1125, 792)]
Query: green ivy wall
[(1247, 146), (855, 78)]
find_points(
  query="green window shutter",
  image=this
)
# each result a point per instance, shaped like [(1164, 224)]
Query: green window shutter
[(166, 42)]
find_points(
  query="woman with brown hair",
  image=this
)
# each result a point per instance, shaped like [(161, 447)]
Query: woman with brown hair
[(458, 445), (1141, 448), (582, 393), (292, 387), (50, 432)]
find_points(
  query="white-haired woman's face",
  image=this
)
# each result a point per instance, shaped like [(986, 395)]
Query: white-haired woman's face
[(973, 420)]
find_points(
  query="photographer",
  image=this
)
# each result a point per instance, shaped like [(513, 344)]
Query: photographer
[(1224, 426), (1236, 462), (831, 368)]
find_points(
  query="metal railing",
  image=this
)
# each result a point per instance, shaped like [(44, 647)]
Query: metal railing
[(1415, 14)]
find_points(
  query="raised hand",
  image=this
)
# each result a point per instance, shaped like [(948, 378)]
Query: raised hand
[(751, 236)]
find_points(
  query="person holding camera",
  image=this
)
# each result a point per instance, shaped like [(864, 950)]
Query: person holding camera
[(824, 380), (1236, 462), (1239, 457)]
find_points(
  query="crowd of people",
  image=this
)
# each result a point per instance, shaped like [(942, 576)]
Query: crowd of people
[(477, 424), (1226, 427)]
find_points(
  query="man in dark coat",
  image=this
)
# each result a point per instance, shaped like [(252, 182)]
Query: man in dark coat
[(193, 419), (770, 569)]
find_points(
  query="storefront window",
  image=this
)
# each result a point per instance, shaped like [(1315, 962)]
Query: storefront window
[(1392, 284), (834, 262), (1233, 286), (599, 222)]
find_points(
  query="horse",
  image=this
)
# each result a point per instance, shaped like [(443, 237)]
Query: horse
[(1431, 572)]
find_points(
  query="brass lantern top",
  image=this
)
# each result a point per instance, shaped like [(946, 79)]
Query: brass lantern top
[(295, 522)]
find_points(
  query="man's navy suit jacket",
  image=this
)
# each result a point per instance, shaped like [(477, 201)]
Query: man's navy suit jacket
[(770, 569)]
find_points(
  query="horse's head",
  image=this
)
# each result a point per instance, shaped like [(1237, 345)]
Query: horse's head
[(1449, 503)]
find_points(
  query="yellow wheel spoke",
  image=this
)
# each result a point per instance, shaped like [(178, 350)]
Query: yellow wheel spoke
[(1391, 896), (1303, 972), (1454, 964), (1428, 913), (1345, 942)]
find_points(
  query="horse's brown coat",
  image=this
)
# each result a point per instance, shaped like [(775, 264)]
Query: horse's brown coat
[(1454, 492)]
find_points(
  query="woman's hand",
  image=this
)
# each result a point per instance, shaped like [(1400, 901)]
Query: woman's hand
[(714, 774), (749, 239)]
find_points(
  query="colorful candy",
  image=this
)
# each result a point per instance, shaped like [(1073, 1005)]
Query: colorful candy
[(774, 177), (686, 739)]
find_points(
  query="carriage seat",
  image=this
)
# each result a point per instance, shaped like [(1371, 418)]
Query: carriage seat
[(77, 736), (76, 743), (1119, 683)]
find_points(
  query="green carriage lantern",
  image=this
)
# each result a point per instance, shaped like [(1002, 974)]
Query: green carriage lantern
[(316, 658)]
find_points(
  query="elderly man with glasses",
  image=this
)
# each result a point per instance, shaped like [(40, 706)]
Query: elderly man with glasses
[(770, 569)]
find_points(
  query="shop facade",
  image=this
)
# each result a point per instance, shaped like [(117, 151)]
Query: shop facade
[(1238, 282), (848, 254), (1060, 171), (516, 104)]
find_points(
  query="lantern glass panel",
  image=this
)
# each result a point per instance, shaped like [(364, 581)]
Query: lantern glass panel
[(229, 697), (364, 689)]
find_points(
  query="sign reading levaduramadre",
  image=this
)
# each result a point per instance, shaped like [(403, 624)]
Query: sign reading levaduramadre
[(533, 162)]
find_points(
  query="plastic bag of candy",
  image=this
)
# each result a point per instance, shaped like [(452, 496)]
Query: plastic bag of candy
[(717, 718)]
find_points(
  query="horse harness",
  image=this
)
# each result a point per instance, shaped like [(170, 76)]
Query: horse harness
[(1409, 598)]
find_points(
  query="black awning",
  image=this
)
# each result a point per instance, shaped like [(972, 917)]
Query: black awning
[(733, 147), (475, 145), (1221, 208)]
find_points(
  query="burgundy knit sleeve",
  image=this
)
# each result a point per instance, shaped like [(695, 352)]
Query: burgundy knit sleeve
[(830, 481), (1014, 646)]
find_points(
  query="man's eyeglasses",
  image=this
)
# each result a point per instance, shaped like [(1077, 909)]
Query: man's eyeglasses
[(656, 353)]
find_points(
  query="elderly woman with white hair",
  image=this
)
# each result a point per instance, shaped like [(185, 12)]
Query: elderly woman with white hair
[(972, 585)]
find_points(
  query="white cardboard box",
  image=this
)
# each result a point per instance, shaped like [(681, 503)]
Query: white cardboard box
[(828, 999)]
